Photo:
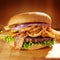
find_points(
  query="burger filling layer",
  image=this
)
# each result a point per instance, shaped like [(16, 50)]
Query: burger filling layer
[(27, 35), (48, 43)]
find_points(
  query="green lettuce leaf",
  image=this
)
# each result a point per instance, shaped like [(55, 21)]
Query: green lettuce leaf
[(27, 45), (48, 43), (7, 38)]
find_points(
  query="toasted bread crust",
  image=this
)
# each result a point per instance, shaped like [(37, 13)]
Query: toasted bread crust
[(29, 17)]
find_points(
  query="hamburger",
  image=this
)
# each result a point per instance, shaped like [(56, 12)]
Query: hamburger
[(29, 30)]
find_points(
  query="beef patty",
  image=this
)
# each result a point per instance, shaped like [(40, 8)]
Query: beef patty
[(37, 39)]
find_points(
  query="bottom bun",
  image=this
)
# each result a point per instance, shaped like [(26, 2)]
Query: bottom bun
[(36, 46)]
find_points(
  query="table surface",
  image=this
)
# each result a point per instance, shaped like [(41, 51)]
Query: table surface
[(6, 53)]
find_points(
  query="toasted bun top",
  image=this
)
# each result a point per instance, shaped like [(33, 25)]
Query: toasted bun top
[(29, 17)]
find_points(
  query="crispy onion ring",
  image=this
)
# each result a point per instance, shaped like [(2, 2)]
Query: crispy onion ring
[(26, 29), (35, 31), (42, 33)]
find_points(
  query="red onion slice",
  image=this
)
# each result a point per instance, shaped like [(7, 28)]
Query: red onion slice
[(20, 26)]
